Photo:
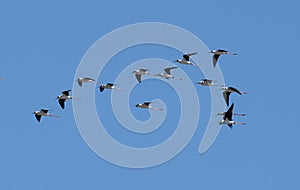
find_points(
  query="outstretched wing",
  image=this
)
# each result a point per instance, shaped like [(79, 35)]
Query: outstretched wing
[(62, 103), (138, 77), (90, 79), (222, 51), (44, 110), (109, 84), (101, 88), (228, 114), (187, 56), (66, 92), (168, 70), (147, 103), (235, 90), (144, 70), (226, 97), (215, 59), (207, 80), (38, 117), (79, 83)]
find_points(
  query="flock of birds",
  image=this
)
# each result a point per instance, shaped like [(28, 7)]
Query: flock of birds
[(227, 90)]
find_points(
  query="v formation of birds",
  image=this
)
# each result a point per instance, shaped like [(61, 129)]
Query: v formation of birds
[(227, 90)]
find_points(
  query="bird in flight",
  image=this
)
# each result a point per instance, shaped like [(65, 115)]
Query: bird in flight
[(147, 106), (139, 73), (43, 112), (207, 82), (227, 92), (227, 119), (84, 79), (186, 59), (63, 97), (217, 54), (108, 86), (167, 74)]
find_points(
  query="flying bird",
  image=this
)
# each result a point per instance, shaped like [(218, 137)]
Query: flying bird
[(43, 112), (186, 59), (227, 92), (84, 79), (63, 97), (217, 54), (108, 86), (227, 119), (147, 106), (207, 82), (167, 74), (139, 73)]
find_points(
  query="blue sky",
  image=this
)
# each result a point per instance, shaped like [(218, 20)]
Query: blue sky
[(42, 44)]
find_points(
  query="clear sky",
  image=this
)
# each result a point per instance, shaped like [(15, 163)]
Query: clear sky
[(42, 44)]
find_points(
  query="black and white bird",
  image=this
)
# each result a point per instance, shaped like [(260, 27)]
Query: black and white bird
[(227, 119), (217, 54), (108, 86), (208, 82), (147, 106), (227, 92), (84, 79), (167, 74), (186, 59), (139, 73), (43, 112), (63, 97)]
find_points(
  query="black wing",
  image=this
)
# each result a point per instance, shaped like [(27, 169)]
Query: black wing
[(228, 114), (62, 103), (44, 110), (230, 125), (147, 103), (215, 59), (222, 50), (226, 97), (38, 117), (186, 57), (79, 82), (101, 88), (235, 90), (109, 84), (66, 92), (207, 80), (138, 77)]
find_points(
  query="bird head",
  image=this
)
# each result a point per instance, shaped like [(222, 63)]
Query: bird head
[(223, 88), (137, 105)]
